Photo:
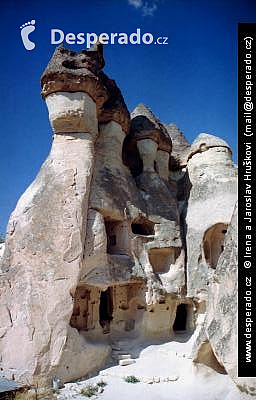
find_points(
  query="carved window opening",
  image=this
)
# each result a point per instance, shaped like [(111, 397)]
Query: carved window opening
[(106, 309), (161, 259), (117, 237), (213, 244), (143, 227)]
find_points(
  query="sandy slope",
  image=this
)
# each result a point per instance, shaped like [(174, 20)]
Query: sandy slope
[(165, 371)]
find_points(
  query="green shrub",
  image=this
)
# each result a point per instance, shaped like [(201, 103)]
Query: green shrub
[(102, 384), (89, 390), (131, 379)]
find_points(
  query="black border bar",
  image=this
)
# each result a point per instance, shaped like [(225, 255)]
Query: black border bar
[(246, 199)]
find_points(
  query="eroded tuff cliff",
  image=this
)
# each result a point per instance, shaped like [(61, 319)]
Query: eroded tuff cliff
[(216, 344), (118, 236)]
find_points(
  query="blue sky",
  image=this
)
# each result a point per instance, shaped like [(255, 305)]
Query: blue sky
[(192, 81)]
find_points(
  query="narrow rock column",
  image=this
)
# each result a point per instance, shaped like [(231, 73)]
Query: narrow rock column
[(45, 238), (147, 149), (211, 201), (104, 187), (162, 160), (45, 245), (109, 190), (73, 117), (111, 137)]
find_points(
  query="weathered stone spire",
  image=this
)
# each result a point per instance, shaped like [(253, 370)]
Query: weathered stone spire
[(70, 71), (145, 125), (180, 147)]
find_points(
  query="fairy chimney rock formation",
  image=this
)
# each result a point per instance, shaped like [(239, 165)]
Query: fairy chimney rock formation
[(118, 236), (210, 206), (180, 149)]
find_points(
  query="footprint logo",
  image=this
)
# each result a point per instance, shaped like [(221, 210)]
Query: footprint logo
[(26, 29)]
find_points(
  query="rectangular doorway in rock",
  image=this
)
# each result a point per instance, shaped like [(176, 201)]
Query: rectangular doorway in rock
[(85, 311), (106, 309), (184, 320), (117, 237)]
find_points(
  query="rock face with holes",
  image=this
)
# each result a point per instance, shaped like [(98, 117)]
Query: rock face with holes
[(210, 206), (216, 343), (117, 237)]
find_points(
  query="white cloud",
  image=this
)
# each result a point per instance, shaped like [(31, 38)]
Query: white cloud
[(147, 7), (136, 3)]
